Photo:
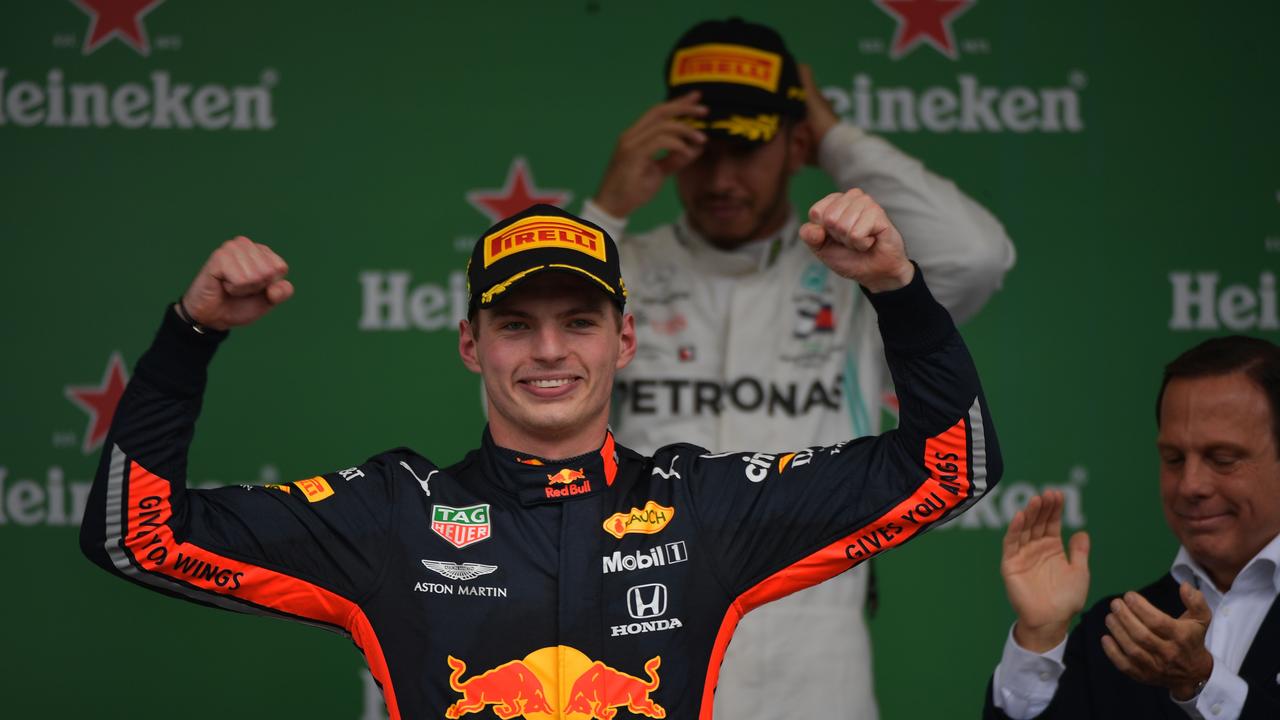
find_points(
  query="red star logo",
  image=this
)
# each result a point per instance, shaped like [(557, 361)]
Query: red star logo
[(117, 18), (927, 21), (100, 401), (517, 194)]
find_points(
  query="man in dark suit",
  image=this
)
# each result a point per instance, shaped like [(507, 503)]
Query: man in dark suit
[(1203, 641)]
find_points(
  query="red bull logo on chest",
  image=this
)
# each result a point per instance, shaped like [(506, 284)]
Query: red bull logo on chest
[(555, 682)]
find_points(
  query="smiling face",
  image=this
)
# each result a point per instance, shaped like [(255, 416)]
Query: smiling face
[(1219, 472), (547, 353), (736, 192)]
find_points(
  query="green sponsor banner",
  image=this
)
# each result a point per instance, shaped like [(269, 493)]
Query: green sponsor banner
[(1129, 149)]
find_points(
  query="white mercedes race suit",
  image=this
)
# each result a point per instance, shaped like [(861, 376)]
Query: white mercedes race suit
[(763, 347)]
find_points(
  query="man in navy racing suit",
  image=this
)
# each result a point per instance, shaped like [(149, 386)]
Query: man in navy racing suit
[(551, 572)]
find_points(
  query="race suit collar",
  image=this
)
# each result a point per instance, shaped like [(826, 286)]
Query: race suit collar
[(541, 480), (755, 256)]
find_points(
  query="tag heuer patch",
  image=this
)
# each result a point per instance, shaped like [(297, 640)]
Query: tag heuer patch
[(461, 526)]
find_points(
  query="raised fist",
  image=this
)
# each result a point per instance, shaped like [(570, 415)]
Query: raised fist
[(851, 234), (238, 284)]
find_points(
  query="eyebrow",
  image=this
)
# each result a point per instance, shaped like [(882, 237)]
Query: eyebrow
[(1214, 446), (584, 310), (521, 314)]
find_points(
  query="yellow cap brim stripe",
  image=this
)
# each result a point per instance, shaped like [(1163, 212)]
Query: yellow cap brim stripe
[(488, 295)]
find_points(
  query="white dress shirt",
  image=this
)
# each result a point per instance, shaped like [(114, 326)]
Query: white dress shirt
[(1025, 682)]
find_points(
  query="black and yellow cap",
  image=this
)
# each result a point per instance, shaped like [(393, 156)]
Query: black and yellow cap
[(539, 239), (748, 79)]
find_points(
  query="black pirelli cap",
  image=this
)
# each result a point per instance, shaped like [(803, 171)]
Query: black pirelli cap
[(540, 239), (748, 79)]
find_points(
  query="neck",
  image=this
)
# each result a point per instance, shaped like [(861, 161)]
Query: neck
[(552, 446), (1222, 580)]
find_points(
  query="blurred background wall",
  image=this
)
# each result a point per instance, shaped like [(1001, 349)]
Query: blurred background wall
[(1129, 148)]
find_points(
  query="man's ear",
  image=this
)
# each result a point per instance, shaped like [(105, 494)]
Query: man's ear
[(627, 347), (467, 346)]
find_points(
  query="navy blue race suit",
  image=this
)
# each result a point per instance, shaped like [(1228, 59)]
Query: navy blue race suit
[(585, 587)]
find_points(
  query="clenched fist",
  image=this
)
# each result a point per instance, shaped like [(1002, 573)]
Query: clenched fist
[(238, 284), (851, 234)]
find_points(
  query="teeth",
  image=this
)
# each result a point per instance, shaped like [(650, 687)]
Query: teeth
[(549, 383)]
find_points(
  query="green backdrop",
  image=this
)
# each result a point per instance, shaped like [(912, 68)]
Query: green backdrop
[(1129, 148)]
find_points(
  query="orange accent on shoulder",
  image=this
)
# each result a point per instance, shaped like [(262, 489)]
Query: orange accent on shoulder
[(608, 453), (784, 461), (157, 551), (947, 486)]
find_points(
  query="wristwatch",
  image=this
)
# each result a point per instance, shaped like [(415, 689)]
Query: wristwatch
[(185, 317)]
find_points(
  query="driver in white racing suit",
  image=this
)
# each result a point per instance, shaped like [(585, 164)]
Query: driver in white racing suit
[(747, 340)]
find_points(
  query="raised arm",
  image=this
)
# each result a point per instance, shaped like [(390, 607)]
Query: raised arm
[(788, 518), (962, 248), (305, 550)]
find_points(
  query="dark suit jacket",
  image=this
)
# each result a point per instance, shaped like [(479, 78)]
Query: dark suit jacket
[(1092, 688)]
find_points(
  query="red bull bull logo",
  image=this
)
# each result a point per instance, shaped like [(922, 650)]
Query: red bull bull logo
[(566, 476), (601, 689), (513, 688), (558, 683)]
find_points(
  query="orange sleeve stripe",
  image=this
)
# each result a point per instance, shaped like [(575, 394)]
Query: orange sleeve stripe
[(149, 540), (947, 486)]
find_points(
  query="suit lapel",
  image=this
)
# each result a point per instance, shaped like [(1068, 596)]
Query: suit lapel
[(1262, 663)]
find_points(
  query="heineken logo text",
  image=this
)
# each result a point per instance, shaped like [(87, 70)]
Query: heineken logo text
[(163, 103)]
